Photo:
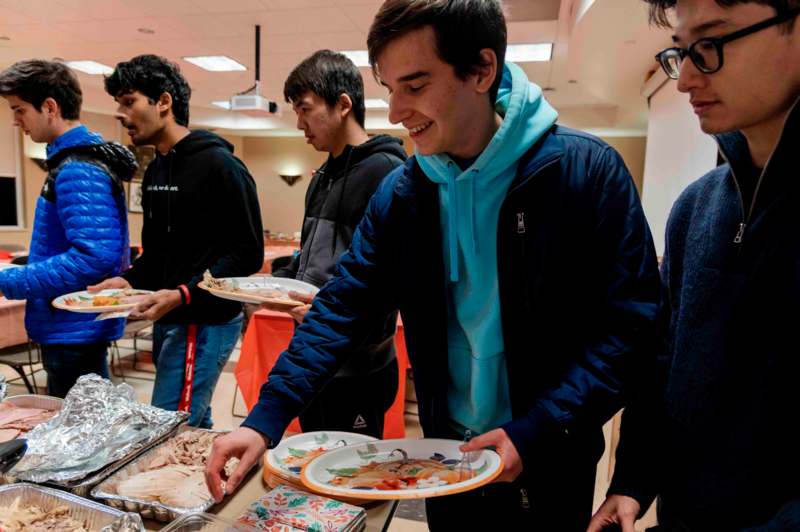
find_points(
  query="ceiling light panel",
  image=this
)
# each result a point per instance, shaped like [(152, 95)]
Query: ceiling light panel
[(90, 67), (216, 63), (529, 52)]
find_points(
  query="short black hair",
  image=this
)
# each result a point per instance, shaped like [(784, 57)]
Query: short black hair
[(327, 74), (35, 80), (462, 27), (659, 8), (152, 75)]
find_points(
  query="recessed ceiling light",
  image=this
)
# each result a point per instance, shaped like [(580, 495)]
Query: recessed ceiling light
[(146, 31), (216, 63), (359, 57), (90, 67), (529, 52), (225, 104), (5, 38), (376, 103), (548, 89)]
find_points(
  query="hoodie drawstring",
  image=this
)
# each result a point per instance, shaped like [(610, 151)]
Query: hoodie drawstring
[(339, 203), (452, 226)]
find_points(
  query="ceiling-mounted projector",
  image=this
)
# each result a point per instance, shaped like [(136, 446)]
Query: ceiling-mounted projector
[(251, 101)]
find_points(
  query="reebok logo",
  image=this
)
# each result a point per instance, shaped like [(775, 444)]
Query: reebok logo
[(359, 423)]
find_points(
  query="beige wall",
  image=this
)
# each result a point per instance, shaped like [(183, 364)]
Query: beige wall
[(632, 150)]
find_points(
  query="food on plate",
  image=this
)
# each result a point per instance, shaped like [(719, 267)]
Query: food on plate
[(32, 518), (270, 292), (123, 297), (174, 475), (16, 420), (406, 473)]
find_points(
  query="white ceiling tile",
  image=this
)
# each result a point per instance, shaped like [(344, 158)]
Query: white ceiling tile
[(303, 21), (235, 6)]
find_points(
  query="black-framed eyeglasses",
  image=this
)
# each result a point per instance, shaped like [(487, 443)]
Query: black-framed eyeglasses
[(706, 53)]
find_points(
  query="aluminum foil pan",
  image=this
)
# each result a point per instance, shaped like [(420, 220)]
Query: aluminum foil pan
[(99, 427), (35, 401), (106, 490), (3, 387), (206, 523), (95, 516)]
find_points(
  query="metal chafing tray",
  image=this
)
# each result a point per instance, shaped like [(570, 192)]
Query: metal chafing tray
[(206, 523), (92, 514), (106, 490)]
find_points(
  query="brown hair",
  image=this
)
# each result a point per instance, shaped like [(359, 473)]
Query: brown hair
[(659, 8), (35, 80), (462, 27)]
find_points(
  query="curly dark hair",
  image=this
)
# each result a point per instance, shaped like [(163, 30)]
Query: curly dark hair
[(659, 8), (462, 27), (329, 75), (35, 80), (152, 75)]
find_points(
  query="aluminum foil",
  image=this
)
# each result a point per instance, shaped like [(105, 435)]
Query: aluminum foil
[(127, 522), (99, 424), (3, 387)]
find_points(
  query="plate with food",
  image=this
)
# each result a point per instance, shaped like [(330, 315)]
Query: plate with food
[(288, 458), (259, 289), (111, 299), (401, 469)]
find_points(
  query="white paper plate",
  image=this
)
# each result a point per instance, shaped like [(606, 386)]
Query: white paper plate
[(245, 284), (287, 459), (345, 462), (7, 265), (61, 302)]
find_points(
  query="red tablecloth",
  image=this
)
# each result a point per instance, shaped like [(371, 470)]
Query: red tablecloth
[(268, 335), (12, 322)]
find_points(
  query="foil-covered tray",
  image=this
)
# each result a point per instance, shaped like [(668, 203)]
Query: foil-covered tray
[(100, 428), (206, 523), (44, 402), (95, 516), (106, 490)]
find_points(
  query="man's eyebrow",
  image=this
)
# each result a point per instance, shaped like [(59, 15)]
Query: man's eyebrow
[(408, 77), (704, 27)]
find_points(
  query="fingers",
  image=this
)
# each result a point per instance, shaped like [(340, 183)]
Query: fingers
[(214, 469), (489, 439), (300, 296), (245, 463), (626, 522)]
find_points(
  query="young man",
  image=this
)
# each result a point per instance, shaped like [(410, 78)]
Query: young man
[(200, 213), (715, 440), (519, 257), (327, 94), (80, 231)]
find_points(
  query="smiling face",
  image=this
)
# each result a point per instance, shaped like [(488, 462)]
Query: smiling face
[(760, 77), (429, 99), (37, 124), (141, 117), (321, 124)]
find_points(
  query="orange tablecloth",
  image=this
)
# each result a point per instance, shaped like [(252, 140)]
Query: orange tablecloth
[(268, 335), (12, 322)]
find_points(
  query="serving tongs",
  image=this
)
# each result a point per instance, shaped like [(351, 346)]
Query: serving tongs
[(11, 452)]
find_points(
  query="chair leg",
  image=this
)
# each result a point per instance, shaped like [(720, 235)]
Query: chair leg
[(21, 371)]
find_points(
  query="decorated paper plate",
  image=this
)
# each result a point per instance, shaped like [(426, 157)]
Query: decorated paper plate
[(273, 291), (288, 458), (400, 469), (112, 299)]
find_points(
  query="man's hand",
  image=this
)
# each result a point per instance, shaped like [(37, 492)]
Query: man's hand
[(299, 312), (616, 510), (157, 305), (113, 282), (243, 443), (497, 438)]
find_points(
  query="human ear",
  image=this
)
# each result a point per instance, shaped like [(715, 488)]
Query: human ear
[(164, 102), (486, 72), (345, 104)]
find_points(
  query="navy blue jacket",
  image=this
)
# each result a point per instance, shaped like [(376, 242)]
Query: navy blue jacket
[(80, 237), (719, 439), (578, 283)]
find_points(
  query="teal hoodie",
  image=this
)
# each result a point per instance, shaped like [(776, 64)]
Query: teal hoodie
[(478, 397)]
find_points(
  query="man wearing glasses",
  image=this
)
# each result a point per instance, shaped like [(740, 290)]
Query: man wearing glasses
[(716, 440)]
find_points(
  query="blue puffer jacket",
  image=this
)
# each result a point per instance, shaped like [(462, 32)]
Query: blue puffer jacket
[(80, 237), (578, 286)]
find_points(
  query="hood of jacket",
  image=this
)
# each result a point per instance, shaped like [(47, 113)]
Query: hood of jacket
[(526, 117), (81, 143)]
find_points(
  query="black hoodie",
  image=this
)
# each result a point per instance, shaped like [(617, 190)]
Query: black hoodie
[(335, 203), (200, 212)]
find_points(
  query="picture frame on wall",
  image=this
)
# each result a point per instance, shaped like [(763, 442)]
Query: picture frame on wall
[(144, 156), (135, 197)]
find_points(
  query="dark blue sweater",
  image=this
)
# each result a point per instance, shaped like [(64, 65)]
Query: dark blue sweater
[(720, 442)]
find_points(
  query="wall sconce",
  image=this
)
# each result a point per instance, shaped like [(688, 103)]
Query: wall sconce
[(291, 179)]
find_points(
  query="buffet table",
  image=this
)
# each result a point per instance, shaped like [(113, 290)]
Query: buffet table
[(268, 335), (379, 514)]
